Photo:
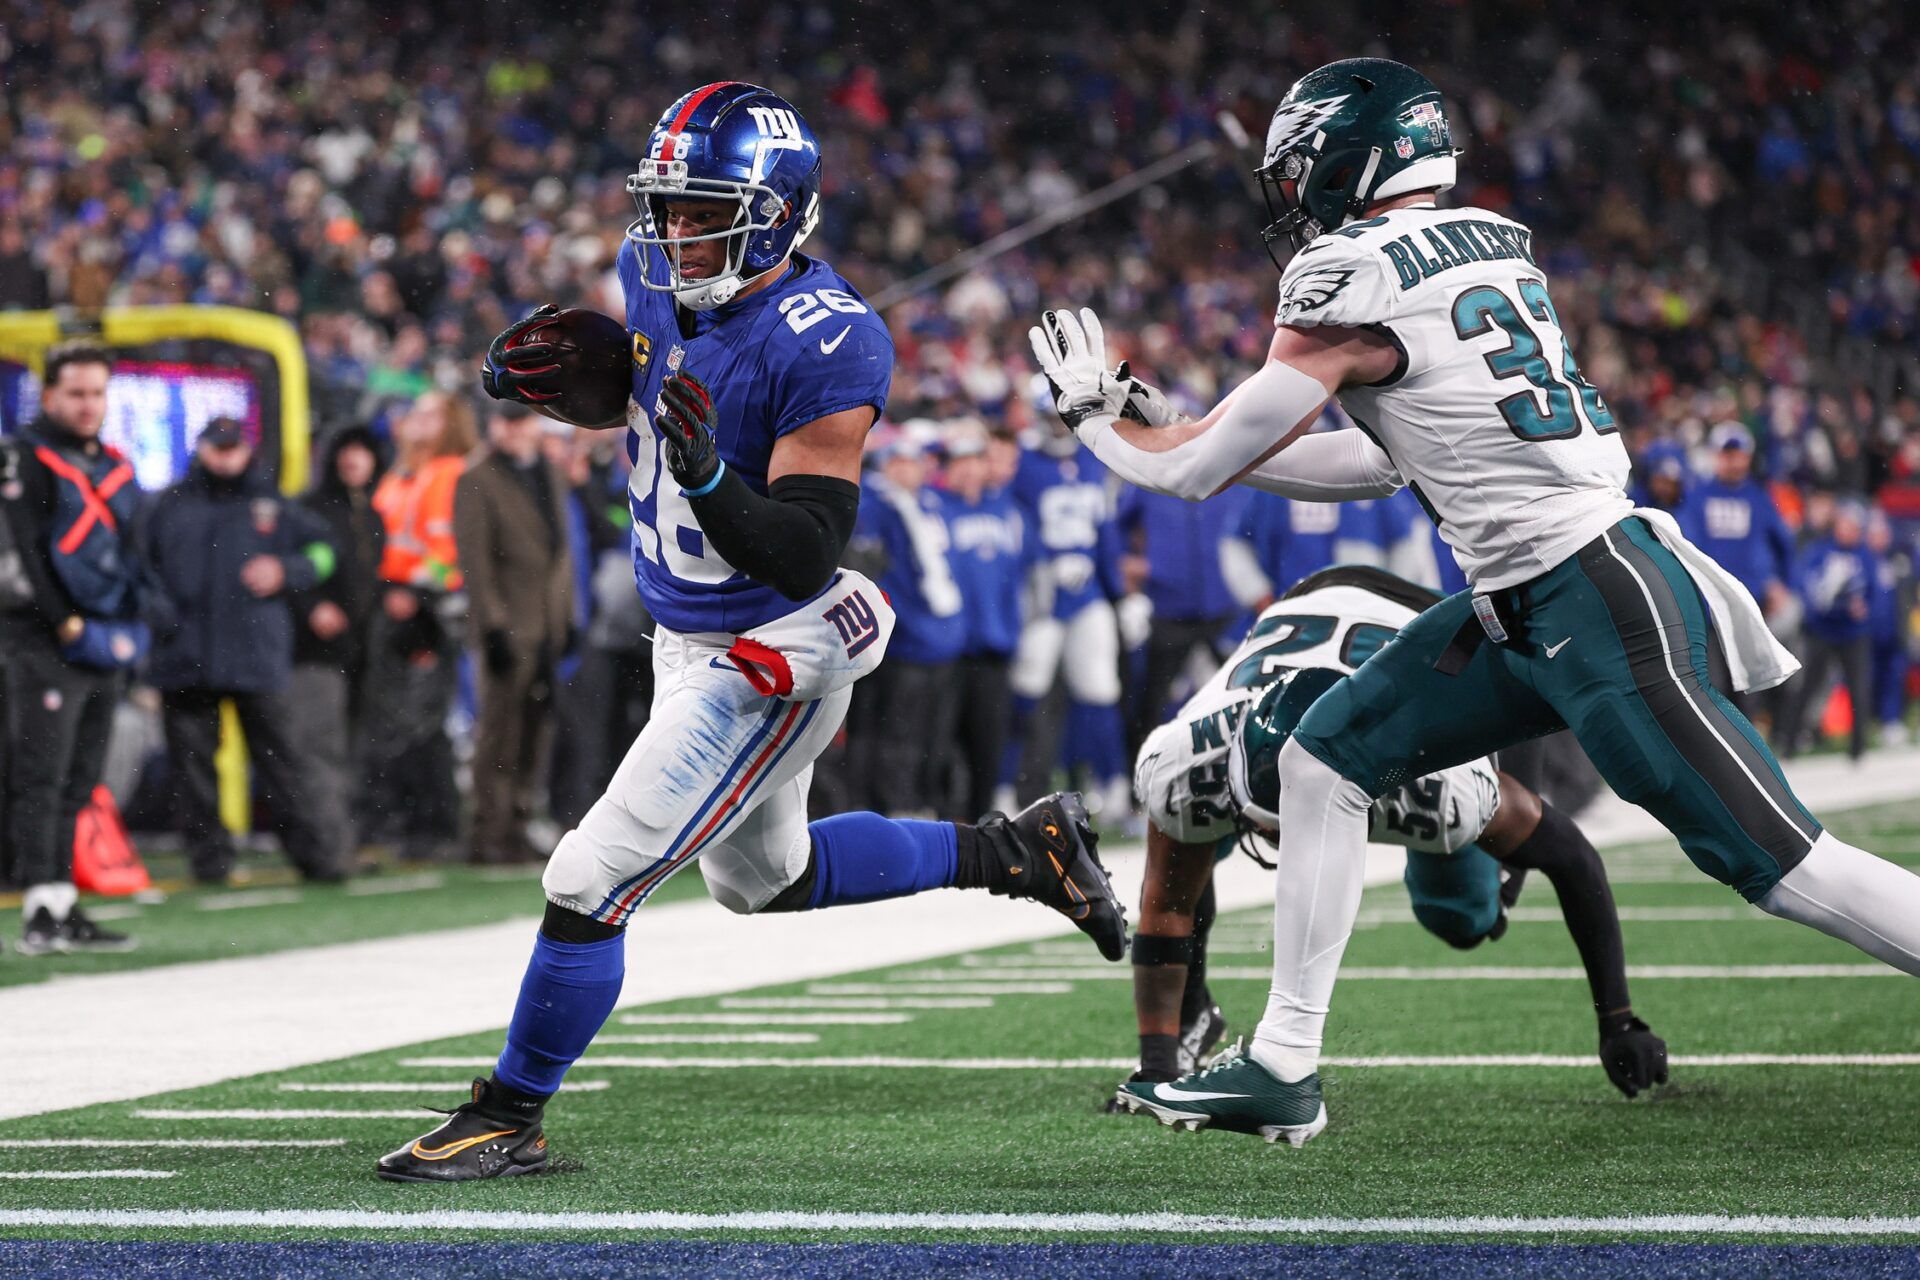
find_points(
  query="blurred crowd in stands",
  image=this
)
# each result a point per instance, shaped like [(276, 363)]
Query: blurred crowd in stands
[(1725, 198)]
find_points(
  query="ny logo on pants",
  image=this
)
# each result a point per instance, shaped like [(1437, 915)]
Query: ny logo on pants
[(856, 622)]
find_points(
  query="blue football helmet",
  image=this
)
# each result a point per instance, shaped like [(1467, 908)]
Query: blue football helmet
[(728, 141)]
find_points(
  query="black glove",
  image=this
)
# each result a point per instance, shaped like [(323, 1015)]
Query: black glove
[(498, 651), (687, 425), (1634, 1057), (520, 373)]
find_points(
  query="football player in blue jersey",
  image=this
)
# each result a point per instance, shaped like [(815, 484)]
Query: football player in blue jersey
[(756, 374), (1071, 628)]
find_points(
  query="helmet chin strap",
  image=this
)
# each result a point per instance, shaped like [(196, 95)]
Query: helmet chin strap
[(707, 295)]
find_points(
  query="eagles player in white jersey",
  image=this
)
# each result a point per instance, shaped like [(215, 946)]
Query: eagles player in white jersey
[(1437, 331), (1208, 780)]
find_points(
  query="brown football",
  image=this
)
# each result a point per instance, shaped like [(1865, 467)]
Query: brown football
[(593, 367)]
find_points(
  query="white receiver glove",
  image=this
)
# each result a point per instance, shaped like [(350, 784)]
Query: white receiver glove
[(1145, 404), (1073, 355)]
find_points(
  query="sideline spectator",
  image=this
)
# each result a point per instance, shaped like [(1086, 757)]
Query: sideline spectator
[(71, 509), (915, 697), (1840, 581), (1071, 634), (1889, 634), (990, 554), (604, 699), (509, 515), (332, 620), (229, 551), (1176, 555), (413, 650), (1734, 519)]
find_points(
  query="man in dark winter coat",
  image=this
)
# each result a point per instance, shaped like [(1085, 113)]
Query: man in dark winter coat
[(331, 622), (227, 550)]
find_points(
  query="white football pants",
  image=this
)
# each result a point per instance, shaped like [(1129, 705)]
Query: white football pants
[(720, 773)]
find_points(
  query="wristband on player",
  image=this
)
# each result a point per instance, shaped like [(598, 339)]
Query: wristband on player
[(707, 488)]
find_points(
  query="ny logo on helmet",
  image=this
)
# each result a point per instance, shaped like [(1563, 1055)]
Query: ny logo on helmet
[(779, 131)]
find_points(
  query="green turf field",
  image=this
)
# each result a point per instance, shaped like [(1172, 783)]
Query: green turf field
[(994, 1107)]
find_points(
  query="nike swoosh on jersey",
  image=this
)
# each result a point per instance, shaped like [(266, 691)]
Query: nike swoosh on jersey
[(828, 348), (1556, 648), (1167, 1093)]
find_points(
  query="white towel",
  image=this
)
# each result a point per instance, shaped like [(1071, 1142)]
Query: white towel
[(1755, 659)]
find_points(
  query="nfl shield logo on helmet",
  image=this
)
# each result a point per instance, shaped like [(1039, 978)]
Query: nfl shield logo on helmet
[(1403, 147)]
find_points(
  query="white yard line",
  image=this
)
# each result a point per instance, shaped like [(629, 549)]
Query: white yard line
[(80, 1175), (1454, 973), (749, 1037), (466, 1220), (421, 1086), (941, 988), (856, 1002), (115, 911), (762, 1020), (886, 1062), (199, 1144), (274, 1012), (249, 898), (194, 1114), (395, 884)]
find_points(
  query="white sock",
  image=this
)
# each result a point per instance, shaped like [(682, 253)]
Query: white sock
[(1316, 895), (58, 899), (1850, 894)]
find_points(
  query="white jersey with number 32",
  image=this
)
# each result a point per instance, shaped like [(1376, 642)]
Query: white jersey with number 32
[(1488, 417)]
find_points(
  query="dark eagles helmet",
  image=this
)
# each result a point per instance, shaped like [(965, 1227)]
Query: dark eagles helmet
[(1347, 136)]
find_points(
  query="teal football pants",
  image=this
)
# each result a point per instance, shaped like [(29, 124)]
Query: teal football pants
[(1612, 644)]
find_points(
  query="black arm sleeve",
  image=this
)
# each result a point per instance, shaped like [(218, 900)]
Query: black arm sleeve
[(1559, 850), (792, 539)]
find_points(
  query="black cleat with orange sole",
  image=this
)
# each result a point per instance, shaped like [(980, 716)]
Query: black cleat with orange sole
[(477, 1141), (1047, 852)]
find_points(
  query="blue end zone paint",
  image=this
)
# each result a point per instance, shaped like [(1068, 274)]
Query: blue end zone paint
[(132, 1260)]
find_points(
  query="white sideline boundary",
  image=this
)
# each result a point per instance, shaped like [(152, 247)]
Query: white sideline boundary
[(195, 1114), (196, 1144), (295, 1008), (1706, 1224), (81, 1175), (419, 1086), (885, 1063)]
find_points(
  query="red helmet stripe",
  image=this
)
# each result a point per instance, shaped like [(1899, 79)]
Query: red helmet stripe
[(694, 100)]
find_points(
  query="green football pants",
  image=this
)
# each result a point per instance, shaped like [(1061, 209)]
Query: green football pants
[(1612, 644)]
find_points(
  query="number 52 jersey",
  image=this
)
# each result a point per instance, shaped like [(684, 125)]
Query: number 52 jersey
[(1181, 774), (800, 349), (1508, 447)]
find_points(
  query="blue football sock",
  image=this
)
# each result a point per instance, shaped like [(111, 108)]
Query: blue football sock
[(863, 857), (569, 990)]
